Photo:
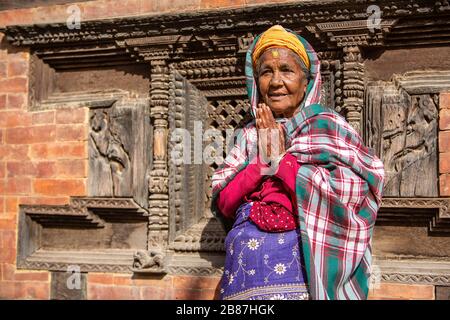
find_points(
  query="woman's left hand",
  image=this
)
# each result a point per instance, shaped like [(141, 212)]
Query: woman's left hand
[(265, 120)]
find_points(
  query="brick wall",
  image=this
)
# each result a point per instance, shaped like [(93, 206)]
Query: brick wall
[(43, 160), (108, 286), (444, 143), (102, 9)]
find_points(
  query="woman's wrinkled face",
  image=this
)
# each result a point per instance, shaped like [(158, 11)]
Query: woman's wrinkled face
[(281, 81)]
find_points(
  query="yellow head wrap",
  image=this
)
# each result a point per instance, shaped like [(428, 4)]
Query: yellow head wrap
[(277, 36)]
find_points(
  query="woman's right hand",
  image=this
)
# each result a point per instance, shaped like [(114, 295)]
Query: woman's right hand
[(265, 124)]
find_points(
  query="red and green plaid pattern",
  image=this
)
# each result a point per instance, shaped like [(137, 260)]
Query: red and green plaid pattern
[(339, 189)]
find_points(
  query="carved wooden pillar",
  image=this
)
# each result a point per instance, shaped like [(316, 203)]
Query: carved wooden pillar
[(158, 177), (353, 86)]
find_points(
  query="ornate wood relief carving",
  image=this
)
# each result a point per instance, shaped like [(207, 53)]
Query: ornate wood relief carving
[(118, 151), (401, 125), (431, 212), (106, 233), (158, 175), (188, 176)]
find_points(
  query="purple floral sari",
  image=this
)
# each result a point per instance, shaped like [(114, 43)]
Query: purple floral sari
[(260, 265)]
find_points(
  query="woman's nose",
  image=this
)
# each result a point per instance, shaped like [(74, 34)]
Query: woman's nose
[(276, 80)]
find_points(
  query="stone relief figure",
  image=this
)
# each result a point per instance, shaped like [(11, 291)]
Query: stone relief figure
[(109, 153), (147, 259)]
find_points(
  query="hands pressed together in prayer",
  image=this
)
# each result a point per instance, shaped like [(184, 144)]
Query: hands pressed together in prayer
[(271, 140)]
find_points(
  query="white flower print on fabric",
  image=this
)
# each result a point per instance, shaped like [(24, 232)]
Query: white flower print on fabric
[(230, 281), (278, 297), (280, 268), (281, 238), (253, 244), (251, 272)]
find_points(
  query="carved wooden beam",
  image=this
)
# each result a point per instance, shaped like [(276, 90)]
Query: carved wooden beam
[(353, 86), (158, 175), (431, 212)]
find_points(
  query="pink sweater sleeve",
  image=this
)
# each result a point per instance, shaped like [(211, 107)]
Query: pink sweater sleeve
[(287, 171), (245, 182)]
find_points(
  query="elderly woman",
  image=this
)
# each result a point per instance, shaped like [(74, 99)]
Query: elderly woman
[(302, 230)]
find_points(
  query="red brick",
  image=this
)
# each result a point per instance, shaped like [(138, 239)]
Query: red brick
[(14, 85), (8, 252), (56, 187), (112, 292), (44, 200), (37, 290), (153, 293), (17, 185), (72, 168), (14, 152), (94, 10), (192, 282), (12, 119), (8, 224), (444, 185), (2, 170), (55, 13), (177, 5), (23, 290), (111, 8), (402, 291), (10, 273), (11, 204), (71, 132), (444, 100), (250, 2), (61, 150), (444, 162), (221, 3), (444, 141), (122, 280), (2, 101), (16, 101), (193, 294), (16, 16), (17, 68), (44, 169), (7, 288), (154, 281), (3, 70), (70, 116), (8, 239), (38, 134), (43, 117), (20, 168), (444, 119), (100, 278)]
